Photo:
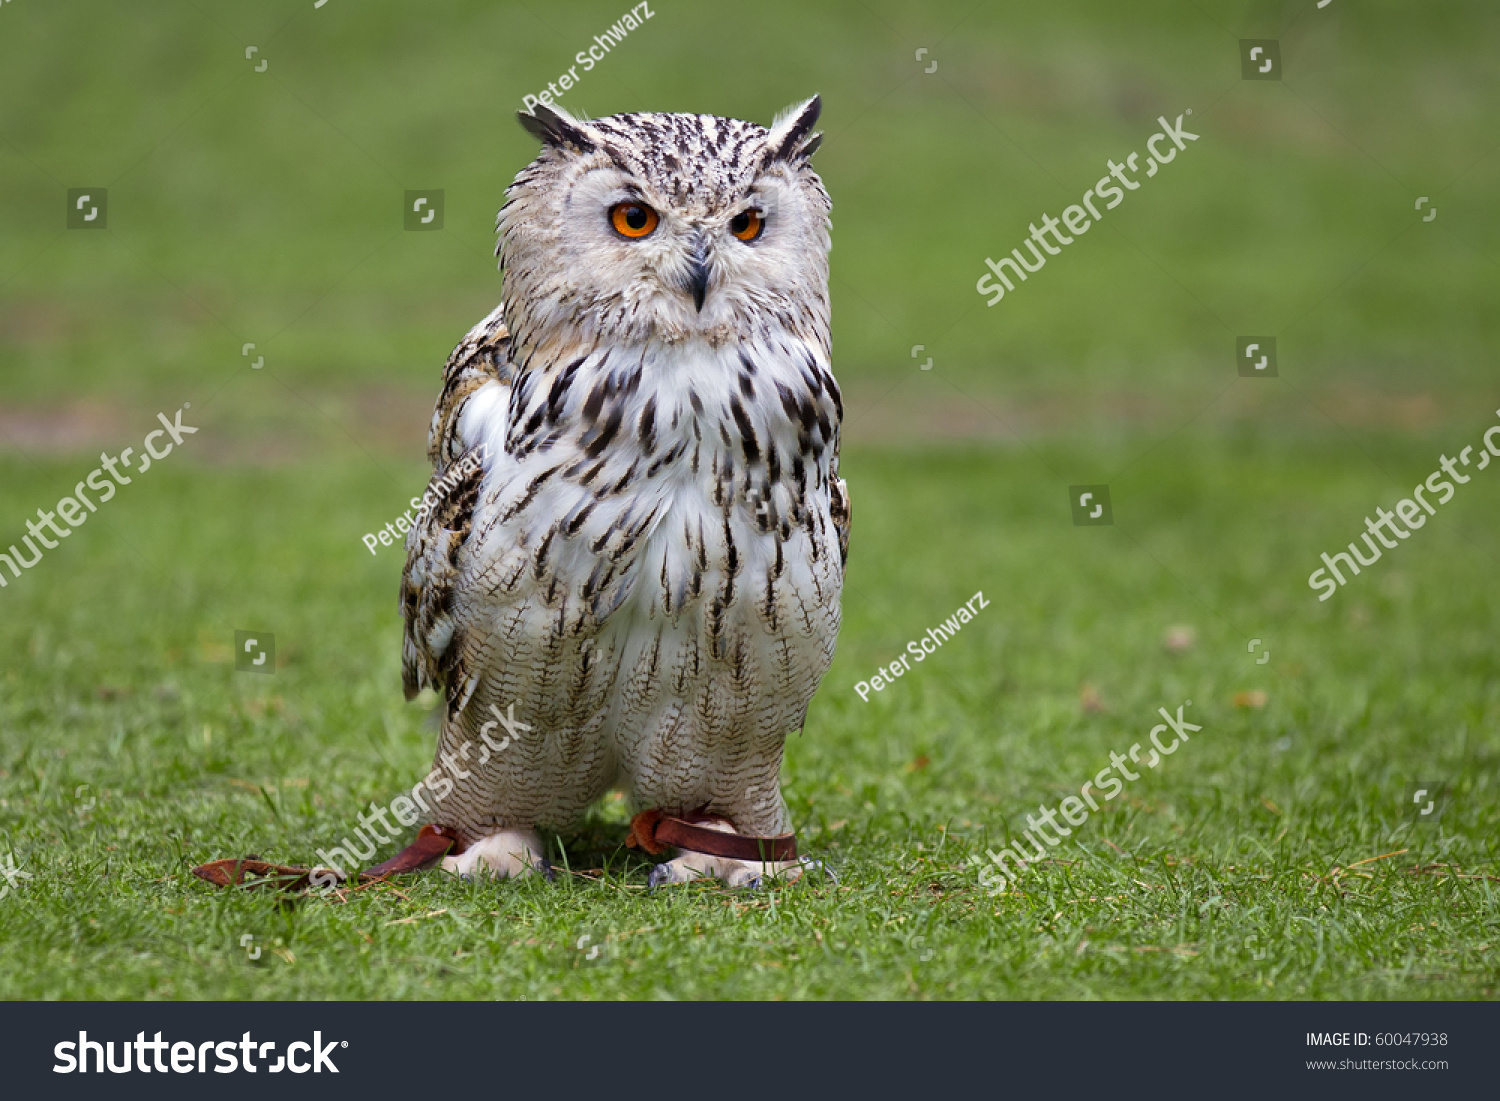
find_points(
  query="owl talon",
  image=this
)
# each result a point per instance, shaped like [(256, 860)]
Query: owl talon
[(753, 875), (810, 864), (661, 875)]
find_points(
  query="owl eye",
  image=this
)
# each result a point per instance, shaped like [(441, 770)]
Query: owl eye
[(747, 224), (633, 219)]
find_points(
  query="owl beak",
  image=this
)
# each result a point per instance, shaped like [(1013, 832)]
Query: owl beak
[(699, 271)]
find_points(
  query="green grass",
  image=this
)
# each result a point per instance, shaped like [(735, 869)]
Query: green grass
[(1272, 857), (1217, 875)]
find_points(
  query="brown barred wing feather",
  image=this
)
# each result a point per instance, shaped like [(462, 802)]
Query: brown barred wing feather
[(482, 356), (432, 647), (838, 511), (838, 489)]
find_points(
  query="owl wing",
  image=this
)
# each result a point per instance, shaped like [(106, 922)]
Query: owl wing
[(483, 356), (838, 504), (480, 367)]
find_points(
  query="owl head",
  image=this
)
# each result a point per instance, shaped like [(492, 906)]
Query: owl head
[(670, 227)]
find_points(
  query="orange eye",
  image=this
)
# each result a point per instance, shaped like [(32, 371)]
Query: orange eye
[(747, 224), (633, 219)]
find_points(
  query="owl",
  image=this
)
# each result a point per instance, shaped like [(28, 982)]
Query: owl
[(627, 569)]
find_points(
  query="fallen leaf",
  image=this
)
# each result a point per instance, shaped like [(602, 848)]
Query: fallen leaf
[(1179, 639), (1088, 699)]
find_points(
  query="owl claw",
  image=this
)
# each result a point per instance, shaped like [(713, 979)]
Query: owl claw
[(753, 875), (661, 875), (810, 864)]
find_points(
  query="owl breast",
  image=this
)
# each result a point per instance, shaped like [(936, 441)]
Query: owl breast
[(657, 562)]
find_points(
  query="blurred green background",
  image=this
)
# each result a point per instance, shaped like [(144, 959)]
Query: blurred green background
[(265, 207)]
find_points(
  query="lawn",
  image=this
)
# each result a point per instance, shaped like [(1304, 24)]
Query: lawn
[(1277, 854), (1241, 867)]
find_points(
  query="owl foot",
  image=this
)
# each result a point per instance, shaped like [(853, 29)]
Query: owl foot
[(734, 873), (688, 866), (502, 855)]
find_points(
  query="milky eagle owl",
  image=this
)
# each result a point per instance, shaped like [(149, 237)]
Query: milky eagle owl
[(626, 572)]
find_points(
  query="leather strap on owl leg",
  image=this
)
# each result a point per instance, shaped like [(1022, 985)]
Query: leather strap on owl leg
[(432, 843), (654, 832), (642, 833)]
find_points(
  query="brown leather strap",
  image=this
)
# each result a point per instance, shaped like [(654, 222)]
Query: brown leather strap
[(431, 845), (654, 831), (642, 833)]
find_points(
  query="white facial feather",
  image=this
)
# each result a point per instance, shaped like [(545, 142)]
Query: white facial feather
[(566, 267)]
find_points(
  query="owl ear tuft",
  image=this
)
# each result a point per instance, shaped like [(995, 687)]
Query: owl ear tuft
[(555, 128), (789, 136)]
